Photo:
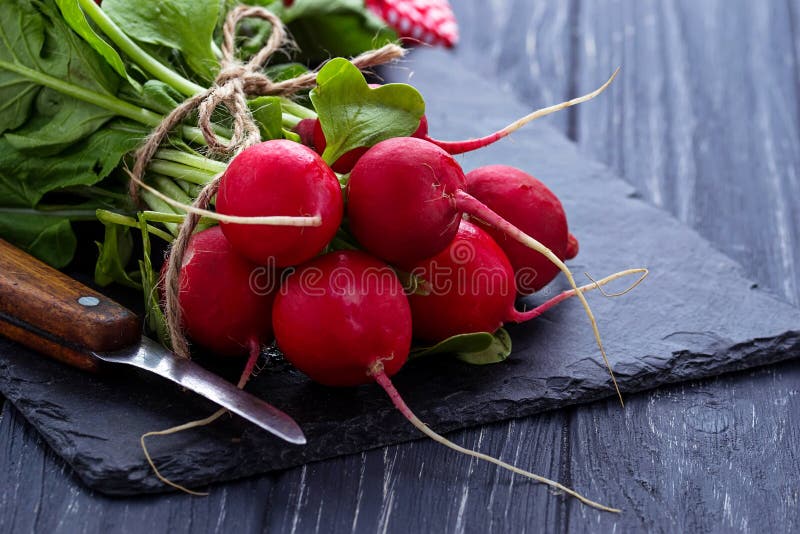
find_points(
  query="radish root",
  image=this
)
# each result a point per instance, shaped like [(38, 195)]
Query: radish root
[(380, 377), (255, 352), (604, 281), (272, 220), (520, 317), (519, 123), (473, 206), (459, 147)]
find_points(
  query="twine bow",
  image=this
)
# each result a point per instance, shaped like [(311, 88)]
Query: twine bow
[(235, 82)]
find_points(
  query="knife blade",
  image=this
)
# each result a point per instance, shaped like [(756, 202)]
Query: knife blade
[(56, 315)]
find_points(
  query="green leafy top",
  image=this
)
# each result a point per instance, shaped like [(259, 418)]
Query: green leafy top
[(77, 93), (353, 115), (75, 17), (185, 25)]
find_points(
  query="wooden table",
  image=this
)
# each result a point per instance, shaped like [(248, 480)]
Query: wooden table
[(705, 122)]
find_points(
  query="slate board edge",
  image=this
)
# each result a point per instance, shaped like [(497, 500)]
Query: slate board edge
[(740, 356), (761, 351)]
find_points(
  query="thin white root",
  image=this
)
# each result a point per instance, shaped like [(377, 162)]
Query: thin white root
[(180, 428), (255, 351), (597, 284), (274, 220), (519, 123), (378, 373), (422, 427)]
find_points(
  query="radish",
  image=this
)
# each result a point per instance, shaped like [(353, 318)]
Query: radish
[(225, 300), (572, 247), (305, 129), (527, 203), (346, 162), (343, 320), (405, 201), (339, 314), (279, 177), (225, 306), (470, 288)]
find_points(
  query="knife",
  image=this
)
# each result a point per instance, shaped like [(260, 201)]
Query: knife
[(56, 315)]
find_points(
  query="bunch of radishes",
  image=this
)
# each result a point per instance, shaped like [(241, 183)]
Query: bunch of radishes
[(402, 209)]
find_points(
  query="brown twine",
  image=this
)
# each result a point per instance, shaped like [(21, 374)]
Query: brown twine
[(234, 84), (173, 309)]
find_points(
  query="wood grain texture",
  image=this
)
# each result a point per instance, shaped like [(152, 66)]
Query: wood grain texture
[(54, 314), (367, 493), (704, 121)]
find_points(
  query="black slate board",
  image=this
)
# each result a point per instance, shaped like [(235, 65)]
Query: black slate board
[(695, 316)]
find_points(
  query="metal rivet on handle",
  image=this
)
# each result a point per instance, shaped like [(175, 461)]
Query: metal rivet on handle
[(88, 301)]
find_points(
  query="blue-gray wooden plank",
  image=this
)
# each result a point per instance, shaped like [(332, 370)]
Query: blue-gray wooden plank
[(705, 122), (707, 125)]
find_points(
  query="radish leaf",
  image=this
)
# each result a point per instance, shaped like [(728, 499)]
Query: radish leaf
[(41, 43), (48, 238), (185, 25), (462, 343), (59, 122), (267, 112), (115, 253), (75, 17), (352, 115), (477, 348), (496, 352), (24, 180), (22, 32)]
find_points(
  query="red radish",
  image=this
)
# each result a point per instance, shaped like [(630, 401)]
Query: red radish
[(470, 288), (225, 300), (528, 204), (305, 129), (572, 247), (406, 197), (343, 320), (279, 177), (339, 314), (226, 308)]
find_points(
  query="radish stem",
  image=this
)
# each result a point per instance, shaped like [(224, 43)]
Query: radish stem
[(296, 109), (136, 53), (111, 103), (191, 160), (181, 171), (123, 220)]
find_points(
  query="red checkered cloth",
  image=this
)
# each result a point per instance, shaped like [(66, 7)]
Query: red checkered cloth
[(426, 21)]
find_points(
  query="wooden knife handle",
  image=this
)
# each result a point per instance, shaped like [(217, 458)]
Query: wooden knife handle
[(52, 313)]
